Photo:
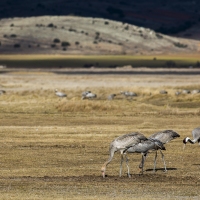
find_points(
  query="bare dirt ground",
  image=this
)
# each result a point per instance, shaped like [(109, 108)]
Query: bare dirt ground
[(54, 148)]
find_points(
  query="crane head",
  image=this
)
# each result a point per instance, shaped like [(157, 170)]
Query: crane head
[(185, 140)]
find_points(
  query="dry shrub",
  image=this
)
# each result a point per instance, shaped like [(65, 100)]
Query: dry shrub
[(86, 106)]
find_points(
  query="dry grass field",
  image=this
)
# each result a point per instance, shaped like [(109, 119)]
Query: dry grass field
[(53, 148)]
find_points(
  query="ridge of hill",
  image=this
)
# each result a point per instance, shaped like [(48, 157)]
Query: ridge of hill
[(81, 36)]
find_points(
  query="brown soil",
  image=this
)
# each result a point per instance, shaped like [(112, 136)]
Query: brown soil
[(54, 148)]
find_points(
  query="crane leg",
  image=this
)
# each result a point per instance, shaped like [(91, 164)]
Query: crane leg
[(154, 168), (143, 158), (163, 161), (128, 167), (122, 159)]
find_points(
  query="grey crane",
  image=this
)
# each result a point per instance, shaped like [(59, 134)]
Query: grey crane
[(196, 137), (89, 96), (85, 93), (111, 96), (60, 94), (122, 143), (164, 136), (144, 147), (2, 92), (128, 94)]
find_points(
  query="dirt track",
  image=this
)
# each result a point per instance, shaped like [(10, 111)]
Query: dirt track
[(49, 154)]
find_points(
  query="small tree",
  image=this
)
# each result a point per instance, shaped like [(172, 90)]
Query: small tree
[(13, 35), (17, 45), (56, 40), (65, 44)]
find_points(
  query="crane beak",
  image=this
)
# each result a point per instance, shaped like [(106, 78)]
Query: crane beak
[(184, 146)]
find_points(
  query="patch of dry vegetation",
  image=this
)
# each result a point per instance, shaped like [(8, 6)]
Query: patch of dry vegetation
[(54, 148)]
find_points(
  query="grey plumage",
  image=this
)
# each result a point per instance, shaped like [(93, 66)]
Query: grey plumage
[(195, 91), (144, 147), (196, 137), (122, 143), (111, 96), (60, 94), (128, 94), (89, 95), (163, 92), (85, 93), (164, 137), (2, 92), (186, 92)]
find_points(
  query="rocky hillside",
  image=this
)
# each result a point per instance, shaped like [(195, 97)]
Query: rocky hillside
[(79, 35)]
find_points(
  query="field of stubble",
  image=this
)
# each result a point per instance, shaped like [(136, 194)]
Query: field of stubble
[(53, 148)]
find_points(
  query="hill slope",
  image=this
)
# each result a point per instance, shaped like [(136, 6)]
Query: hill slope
[(167, 17), (78, 35)]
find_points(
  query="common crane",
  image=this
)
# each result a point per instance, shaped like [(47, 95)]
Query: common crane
[(128, 94), (122, 143), (60, 94), (111, 96), (144, 147), (196, 137), (89, 96), (165, 137)]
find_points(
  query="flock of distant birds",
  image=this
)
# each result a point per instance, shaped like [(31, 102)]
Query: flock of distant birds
[(137, 143), (127, 94)]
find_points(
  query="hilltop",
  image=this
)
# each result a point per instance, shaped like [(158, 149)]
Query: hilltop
[(83, 35), (167, 17)]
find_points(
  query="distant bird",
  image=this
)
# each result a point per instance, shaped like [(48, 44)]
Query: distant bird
[(60, 94), (164, 137), (2, 92), (186, 92), (196, 137), (122, 143), (144, 147), (85, 93), (111, 96), (177, 93), (128, 94), (163, 92), (89, 96), (195, 91)]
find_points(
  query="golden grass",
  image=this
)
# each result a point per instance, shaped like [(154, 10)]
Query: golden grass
[(102, 60), (54, 148)]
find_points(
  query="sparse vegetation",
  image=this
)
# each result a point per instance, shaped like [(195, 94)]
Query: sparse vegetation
[(56, 40), (51, 25), (13, 35), (35, 140), (170, 63), (180, 45), (159, 36), (65, 44), (53, 45), (17, 45)]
